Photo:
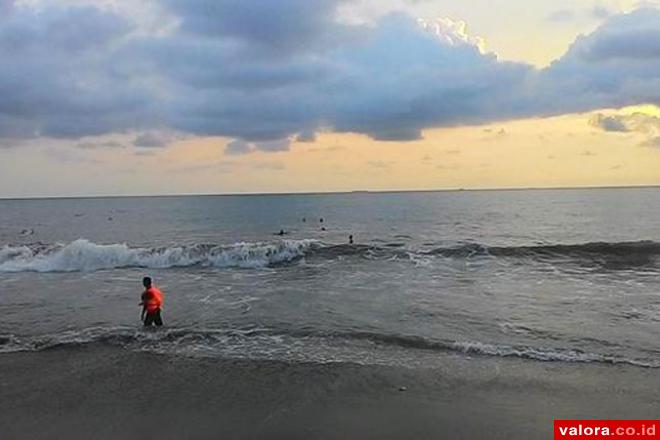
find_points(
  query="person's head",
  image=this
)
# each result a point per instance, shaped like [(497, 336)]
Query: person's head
[(146, 282)]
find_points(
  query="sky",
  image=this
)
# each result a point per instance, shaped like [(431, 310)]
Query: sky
[(117, 97)]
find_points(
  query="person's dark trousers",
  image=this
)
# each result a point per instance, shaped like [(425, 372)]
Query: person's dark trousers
[(153, 318)]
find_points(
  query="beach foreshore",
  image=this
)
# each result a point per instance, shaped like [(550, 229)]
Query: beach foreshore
[(104, 392)]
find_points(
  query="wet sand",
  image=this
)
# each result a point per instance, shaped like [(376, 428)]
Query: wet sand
[(100, 392)]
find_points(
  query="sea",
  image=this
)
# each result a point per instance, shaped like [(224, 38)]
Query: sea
[(558, 276)]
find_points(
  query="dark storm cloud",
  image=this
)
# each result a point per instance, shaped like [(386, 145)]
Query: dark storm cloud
[(266, 72)]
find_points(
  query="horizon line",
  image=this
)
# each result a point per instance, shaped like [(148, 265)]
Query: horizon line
[(311, 193)]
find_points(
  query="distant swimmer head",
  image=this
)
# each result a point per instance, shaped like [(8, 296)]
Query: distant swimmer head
[(146, 282), (321, 220), (350, 239)]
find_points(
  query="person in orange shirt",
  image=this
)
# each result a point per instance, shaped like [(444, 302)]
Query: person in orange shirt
[(152, 301)]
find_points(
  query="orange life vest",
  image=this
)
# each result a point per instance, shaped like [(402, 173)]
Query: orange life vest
[(153, 299)]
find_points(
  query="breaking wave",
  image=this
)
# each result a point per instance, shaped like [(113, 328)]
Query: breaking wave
[(301, 345), (83, 255)]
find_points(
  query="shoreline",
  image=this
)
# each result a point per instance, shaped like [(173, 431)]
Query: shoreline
[(106, 392)]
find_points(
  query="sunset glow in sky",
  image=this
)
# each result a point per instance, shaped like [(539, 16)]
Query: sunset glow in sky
[(119, 97)]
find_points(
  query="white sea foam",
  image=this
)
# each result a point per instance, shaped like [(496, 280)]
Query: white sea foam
[(296, 345), (546, 354), (83, 255)]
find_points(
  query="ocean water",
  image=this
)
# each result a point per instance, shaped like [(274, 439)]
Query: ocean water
[(544, 275)]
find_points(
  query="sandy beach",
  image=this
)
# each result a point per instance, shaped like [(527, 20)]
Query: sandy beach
[(111, 393)]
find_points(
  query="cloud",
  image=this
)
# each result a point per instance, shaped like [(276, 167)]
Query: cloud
[(638, 122), (281, 26), (237, 147), (609, 123), (269, 72), (240, 146), (274, 145), (153, 139), (90, 145), (61, 81), (306, 136), (6, 6), (612, 67), (494, 135), (625, 37)]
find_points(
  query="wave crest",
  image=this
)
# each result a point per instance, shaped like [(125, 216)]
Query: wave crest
[(84, 255)]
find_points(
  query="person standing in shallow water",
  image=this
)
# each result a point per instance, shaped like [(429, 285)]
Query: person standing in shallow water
[(152, 301)]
